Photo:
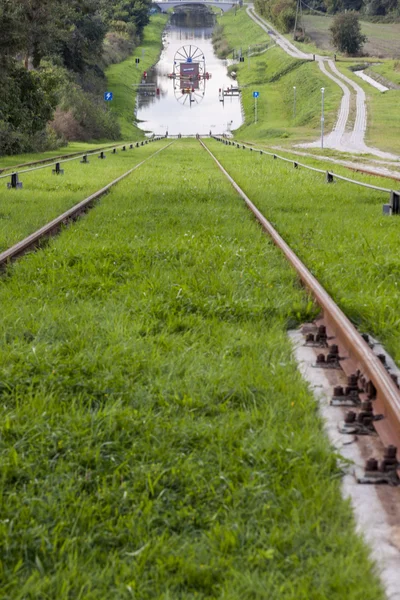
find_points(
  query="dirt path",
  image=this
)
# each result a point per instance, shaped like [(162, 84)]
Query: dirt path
[(277, 37), (338, 138)]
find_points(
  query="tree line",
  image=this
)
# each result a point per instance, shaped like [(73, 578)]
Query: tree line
[(52, 59)]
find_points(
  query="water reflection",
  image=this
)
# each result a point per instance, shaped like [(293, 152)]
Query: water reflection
[(182, 99)]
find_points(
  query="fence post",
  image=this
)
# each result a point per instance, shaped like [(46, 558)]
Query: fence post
[(395, 202), (14, 183), (329, 177)]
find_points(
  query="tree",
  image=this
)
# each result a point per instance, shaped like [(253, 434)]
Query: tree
[(346, 33), (11, 30)]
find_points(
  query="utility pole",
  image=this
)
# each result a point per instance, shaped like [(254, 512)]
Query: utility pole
[(295, 21)]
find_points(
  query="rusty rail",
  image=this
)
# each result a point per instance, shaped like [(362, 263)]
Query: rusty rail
[(50, 228), (387, 393), (329, 174)]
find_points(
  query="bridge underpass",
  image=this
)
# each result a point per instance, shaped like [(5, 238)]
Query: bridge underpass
[(223, 5)]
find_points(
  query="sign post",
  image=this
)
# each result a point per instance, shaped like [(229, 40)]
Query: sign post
[(255, 96)]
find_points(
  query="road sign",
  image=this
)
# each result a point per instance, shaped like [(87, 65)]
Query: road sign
[(255, 96), (108, 96)]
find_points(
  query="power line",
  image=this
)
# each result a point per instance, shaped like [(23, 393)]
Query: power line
[(324, 14)]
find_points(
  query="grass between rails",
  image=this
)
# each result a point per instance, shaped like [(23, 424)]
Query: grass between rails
[(338, 230), (122, 76), (45, 196), (157, 440), (274, 74)]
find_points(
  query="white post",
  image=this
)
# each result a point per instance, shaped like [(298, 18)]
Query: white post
[(294, 102), (322, 117), (255, 109)]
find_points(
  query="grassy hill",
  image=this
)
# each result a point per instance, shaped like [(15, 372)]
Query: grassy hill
[(274, 74), (121, 76)]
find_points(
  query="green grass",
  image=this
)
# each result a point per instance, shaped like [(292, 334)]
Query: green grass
[(383, 130), (338, 230), (383, 113), (274, 74), (383, 38), (390, 69), (250, 33), (71, 148), (120, 77), (157, 440), (44, 196)]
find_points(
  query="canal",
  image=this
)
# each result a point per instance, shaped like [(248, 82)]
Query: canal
[(170, 100)]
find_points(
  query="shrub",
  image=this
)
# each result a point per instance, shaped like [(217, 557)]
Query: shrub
[(83, 116), (346, 33)]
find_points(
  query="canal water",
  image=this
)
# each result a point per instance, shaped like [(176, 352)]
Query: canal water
[(172, 104)]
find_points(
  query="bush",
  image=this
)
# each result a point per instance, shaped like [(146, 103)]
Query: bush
[(27, 102), (346, 33), (117, 47), (65, 125), (82, 116)]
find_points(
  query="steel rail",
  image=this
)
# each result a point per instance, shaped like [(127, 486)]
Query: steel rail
[(387, 393), (48, 229), (324, 172), (54, 160)]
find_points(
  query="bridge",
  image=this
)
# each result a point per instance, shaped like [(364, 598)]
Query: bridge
[(224, 5)]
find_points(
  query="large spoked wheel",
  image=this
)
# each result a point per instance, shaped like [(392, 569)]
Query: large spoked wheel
[(189, 54), (188, 97), (189, 91)]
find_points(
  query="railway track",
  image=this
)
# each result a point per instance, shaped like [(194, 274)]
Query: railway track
[(33, 240), (337, 343), (339, 347), (357, 377), (394, 195)]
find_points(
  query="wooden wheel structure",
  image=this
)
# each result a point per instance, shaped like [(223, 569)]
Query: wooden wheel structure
[(189, 75), (189, 54)]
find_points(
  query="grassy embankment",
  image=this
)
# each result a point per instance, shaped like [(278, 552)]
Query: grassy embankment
[(383, 129), (390, 69), (274, 74), (339, 232), (44, 196), (268, 74), (156, 439), (120, 77), (383, 112)]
